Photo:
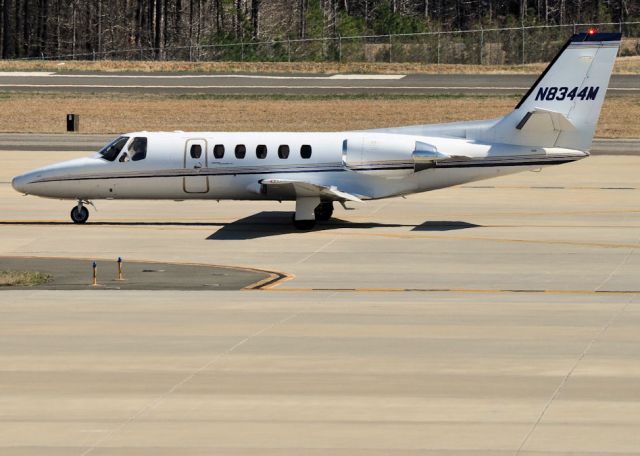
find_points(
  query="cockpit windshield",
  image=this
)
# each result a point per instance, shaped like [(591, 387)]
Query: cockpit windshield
[(111, 150)]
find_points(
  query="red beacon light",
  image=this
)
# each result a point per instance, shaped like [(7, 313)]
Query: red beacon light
[(592, 31)]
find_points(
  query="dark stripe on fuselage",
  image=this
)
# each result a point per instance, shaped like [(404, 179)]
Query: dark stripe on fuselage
[(502, 165), (508, 162)]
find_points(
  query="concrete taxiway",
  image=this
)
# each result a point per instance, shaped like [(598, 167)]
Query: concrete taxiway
[(495, 318), (296, 84)]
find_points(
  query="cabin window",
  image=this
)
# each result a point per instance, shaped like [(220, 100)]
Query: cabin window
[(261, 151), (283, 151), (196, 151), (241, 151), (111, 150), (305, 151), (138, 149), (218, 151)]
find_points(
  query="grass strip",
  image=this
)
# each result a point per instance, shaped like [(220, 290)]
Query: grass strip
[(23, 278), (120, 113)]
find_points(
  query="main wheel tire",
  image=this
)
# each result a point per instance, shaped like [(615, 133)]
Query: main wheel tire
[(304, 224), (324, 211), (79, 215)]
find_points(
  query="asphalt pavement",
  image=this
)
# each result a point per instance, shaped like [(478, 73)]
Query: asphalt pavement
[(286, 84), (75, 142), (77, 274)]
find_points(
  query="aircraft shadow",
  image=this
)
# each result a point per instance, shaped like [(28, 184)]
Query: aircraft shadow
[(444, 226), (268, 223), (42, 223)]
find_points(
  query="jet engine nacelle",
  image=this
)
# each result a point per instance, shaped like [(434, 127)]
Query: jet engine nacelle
[(387, 155)]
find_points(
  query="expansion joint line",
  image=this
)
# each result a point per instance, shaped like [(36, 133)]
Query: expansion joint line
[(161, 397), (565, 379), (624, 261)]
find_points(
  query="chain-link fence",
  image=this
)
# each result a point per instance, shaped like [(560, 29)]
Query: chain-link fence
[(491, 46)]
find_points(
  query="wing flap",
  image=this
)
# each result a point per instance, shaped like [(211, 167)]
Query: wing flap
[(302, 189)]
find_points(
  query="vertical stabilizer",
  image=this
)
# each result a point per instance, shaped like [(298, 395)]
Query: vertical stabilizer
[(562, 107)]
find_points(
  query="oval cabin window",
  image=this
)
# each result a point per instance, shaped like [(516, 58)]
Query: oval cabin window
[(283, 151), (305, 151), (261, 151), (218, 151), (196, 151)]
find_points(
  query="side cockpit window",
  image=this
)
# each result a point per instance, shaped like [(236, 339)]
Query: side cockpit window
[(111, 150), (138, 149)]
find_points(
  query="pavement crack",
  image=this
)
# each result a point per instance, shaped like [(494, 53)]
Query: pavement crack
[(565, 379), (624, 261), (160, 398), (317, 251)]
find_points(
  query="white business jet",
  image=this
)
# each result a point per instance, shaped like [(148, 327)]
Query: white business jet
[(553, 124)]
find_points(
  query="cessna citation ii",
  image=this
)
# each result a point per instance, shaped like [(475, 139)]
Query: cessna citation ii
[(553, 124)]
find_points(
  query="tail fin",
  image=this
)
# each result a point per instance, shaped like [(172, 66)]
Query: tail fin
[(562, 107)]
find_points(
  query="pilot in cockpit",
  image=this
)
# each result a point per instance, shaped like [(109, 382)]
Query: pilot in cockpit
[(137, 150)]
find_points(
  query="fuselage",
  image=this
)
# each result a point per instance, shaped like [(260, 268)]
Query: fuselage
[(210, 165)]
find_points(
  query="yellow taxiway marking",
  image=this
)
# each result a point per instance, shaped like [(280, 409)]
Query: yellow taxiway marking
[(342, 231), (483, 239), (448, 290)]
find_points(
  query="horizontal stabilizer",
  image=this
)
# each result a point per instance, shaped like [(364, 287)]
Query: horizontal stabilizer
[(545, 121), (302, 189)]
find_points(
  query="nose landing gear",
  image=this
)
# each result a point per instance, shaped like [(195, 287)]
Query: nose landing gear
[(79, 213)]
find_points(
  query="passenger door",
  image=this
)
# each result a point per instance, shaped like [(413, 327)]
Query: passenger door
[(195, 159)]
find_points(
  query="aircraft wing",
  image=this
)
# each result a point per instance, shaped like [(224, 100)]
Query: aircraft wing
[(301, 188)]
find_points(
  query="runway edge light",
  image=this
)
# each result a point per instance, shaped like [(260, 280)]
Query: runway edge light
[(120, 275), (95, 274)]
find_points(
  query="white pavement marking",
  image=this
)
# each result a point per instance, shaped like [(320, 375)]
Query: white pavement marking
[(26, 74), (128, 86), (201, 76), (360, 77)]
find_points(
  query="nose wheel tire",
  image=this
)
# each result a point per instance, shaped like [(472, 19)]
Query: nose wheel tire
[(79, 214)]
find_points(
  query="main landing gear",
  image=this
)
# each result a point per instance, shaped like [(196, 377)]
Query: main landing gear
[(324, 211), (79, 213), (310, 209)]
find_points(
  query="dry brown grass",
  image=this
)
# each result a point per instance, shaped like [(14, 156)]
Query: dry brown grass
[(624, 65), (627, 65), (45, 113), (22, 279), (262, 67)]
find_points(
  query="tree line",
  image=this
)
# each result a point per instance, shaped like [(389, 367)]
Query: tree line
[(51, 28)]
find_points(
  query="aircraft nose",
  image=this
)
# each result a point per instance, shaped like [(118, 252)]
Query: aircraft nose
[(20, 183)]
